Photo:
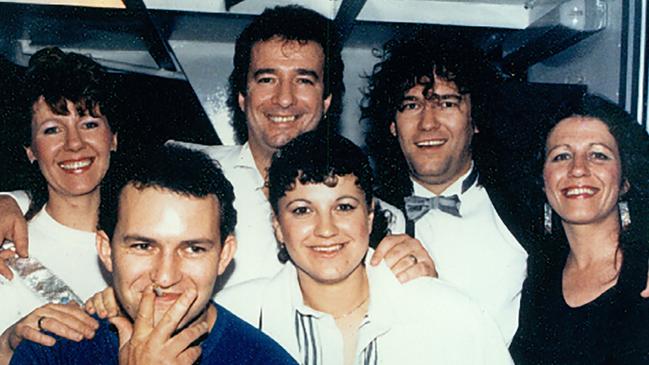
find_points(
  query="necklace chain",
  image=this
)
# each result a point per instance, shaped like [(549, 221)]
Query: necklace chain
[(353, 309)]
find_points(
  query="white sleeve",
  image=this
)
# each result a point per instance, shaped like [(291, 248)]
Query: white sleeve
[(21, 198), (492, 345)]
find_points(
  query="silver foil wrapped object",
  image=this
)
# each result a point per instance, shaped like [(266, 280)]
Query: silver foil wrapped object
[(40, 279)]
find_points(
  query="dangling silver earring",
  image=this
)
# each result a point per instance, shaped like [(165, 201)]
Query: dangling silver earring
[(282, 254), (625, 215), (547, 218)]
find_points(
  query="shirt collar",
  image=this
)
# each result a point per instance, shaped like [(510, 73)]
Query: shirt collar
[(246, 161), (454, 188), (245, 158)]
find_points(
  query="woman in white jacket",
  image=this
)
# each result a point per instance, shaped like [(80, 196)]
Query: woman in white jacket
[(327, 305)]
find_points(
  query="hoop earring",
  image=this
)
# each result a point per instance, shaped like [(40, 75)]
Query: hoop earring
[(282, 254), (625, 214), (547, 218)]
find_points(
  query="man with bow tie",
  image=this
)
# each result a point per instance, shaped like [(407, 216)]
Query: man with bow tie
[(422, 104)]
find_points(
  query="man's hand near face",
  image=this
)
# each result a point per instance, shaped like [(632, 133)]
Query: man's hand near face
[(13, 227), (145, 342), (405, 256)]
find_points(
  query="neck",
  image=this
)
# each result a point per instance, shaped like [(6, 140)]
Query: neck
[(78, 212), (336, 299), (262, 157), (438, 187), (593, 243)]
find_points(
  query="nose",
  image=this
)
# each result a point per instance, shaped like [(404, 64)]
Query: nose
[(167, 271), (73, 140), (429, 118), (326, 226), (284, 95), (579, 166)]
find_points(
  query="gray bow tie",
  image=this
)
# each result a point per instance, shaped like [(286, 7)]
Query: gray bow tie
[(417, 206)]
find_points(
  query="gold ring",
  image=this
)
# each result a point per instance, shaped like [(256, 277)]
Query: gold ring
[(414, 259), (40, 323)]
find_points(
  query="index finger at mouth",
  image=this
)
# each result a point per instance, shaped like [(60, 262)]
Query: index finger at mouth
[(144, 319), (170, 321)]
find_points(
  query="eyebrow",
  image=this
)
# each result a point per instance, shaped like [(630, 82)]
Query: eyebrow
[(589, 146), (434, 96), (193, 241), (300, 71)]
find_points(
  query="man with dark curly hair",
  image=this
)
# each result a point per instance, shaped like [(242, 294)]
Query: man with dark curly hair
[(423, 104)]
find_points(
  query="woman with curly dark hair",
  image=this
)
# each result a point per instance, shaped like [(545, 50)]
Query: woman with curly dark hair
[(581, 301), (69, 141)]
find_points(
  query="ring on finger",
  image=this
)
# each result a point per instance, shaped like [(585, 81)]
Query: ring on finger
[(40, 323), (414, 259)]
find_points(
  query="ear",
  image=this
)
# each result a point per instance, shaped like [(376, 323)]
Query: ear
[(393, 128), (326, 103), (278, 230), (625, 187), (228, 248), (104, 250), (242, 102), (113, 143), (30, 154)]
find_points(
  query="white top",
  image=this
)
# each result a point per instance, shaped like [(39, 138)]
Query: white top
[(476, 253), (424, 321), (256, 254), (68, 253)]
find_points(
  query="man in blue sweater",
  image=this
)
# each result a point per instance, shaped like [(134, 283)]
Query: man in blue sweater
[(166, 235)]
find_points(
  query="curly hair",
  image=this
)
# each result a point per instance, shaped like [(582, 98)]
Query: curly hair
[(403, 64), (289, 23), (59, 77)]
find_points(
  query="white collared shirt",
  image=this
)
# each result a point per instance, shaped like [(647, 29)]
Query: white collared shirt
[(476, 252), (256, 254), (421, 322)]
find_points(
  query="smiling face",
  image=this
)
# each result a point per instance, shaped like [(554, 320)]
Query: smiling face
[(582, 172), (325, 229), (434, 133), (73, 151), (166, 239), (285, 92)]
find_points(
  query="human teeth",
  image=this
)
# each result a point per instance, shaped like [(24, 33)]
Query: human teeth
[(332, 248), (280, 119), (579, 191), (431, 143), (75, 165)]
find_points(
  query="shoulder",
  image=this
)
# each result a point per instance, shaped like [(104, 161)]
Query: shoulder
[(221, 153), (243, 299), (241, 343), (438, 303), (101, 349)]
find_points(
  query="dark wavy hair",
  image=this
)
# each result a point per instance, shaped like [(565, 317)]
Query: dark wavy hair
[(59, 77), (319, 158), (289, 23), (403, 64), (633, 145), (173, 168)]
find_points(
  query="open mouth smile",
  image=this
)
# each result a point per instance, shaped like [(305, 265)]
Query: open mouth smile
[(76, 166)]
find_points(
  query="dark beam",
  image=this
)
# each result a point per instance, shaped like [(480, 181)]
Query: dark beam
[(158, 47), (346, 17)]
